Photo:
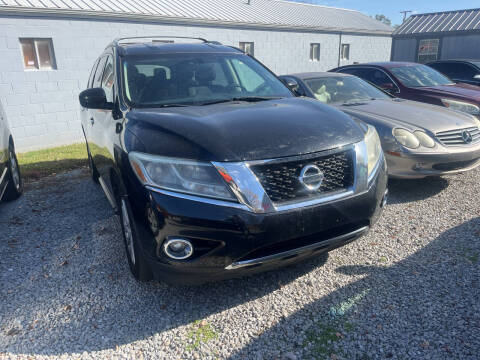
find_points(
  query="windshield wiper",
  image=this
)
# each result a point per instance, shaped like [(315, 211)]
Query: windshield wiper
[(355, 102), (242, 98), (171, 105), (256, 98)]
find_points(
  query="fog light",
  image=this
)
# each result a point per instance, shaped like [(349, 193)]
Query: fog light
[(178, 249), (420, 166)]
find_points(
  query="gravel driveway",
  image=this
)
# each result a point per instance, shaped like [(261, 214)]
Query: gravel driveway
[(409, 290)]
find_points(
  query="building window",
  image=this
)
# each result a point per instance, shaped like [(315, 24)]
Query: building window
[(247, 47), (314, 52), (38, 54), (427, 50), (345, 53)]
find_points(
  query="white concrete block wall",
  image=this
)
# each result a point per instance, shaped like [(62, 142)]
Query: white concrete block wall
[(42, 106), (367, 48)]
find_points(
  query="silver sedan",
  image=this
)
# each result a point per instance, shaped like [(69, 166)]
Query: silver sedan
[(418, 139)]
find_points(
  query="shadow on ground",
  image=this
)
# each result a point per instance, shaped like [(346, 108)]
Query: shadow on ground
[(66, 288), (408, 190), (417, 308)]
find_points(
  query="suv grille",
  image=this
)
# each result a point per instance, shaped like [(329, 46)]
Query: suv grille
[(456, 137), (281, 179)]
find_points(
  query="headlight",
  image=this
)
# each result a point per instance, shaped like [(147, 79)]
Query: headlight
[(424, 139), (477, 122), (374, 148), (186, 176), (406, 138), (461, 106)]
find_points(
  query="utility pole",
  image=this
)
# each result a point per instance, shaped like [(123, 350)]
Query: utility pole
[(405, 13)]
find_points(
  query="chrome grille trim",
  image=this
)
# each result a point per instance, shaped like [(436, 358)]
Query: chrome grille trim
[(291, 253), (454, 137), (280, 178)]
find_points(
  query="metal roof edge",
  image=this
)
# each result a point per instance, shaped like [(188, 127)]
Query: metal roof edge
[(443, 12), (435, 33), (85, 14)]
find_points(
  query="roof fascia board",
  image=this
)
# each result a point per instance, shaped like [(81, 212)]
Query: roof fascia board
[(34, 12)]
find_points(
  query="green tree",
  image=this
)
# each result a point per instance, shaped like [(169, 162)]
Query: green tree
[(384, 19)]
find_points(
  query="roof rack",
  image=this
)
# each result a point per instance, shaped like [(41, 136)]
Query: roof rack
[(118, 40)]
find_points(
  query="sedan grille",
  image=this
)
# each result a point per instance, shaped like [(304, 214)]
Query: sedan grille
[(281, 179), (466, 136)]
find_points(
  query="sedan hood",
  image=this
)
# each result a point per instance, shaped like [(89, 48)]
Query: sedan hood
[(239, 131), (464, 91), (412, 114)]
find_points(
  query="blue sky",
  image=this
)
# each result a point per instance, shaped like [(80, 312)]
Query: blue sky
[(391, 9)]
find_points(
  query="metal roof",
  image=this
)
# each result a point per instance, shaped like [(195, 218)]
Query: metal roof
[(262, 13), (459, 20)]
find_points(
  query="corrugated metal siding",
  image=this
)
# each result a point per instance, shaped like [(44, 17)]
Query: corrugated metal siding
[(461, 20), (259, 12)]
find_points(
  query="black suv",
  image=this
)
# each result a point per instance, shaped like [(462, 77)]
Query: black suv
[(216, 169)]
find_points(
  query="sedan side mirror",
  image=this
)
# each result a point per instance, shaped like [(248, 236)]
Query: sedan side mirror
[(95, 98), (292, 85), (388, 87)]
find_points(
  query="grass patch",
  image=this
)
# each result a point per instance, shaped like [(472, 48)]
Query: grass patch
[(202, 332), (322, 339), (40, 163), (471, 256)]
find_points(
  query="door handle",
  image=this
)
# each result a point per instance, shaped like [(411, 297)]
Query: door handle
[(92, 121)]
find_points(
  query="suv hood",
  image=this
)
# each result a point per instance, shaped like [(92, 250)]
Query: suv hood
[(241, 131), (412, 114), (460, 90)]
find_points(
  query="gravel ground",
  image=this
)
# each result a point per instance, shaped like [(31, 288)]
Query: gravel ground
[(408, 290)]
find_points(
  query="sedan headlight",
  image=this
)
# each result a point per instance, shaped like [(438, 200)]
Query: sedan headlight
[(406, 138), (424, 139), (477, 122), (374, 148), (461, 106), (185, 176)]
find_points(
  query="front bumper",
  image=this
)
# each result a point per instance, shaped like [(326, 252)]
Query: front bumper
[(446, 161), (233, 242)]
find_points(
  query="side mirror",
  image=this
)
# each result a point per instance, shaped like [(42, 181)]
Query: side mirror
[(292, 85), (388, 87), (95, 98)]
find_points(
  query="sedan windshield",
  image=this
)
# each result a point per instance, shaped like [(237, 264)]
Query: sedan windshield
[(197, 79), (419, 76), (343, 89)]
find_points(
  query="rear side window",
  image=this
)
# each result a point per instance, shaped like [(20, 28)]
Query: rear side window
[(374, 76), (97, 80), (108, 79), (92, 74)]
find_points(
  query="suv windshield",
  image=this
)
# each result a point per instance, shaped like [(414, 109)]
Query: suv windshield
[(343, 89), (197, 79), (419, 76)]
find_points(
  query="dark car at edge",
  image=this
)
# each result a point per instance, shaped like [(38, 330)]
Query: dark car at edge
[(418, 82), (460, 71), (216, 169)]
